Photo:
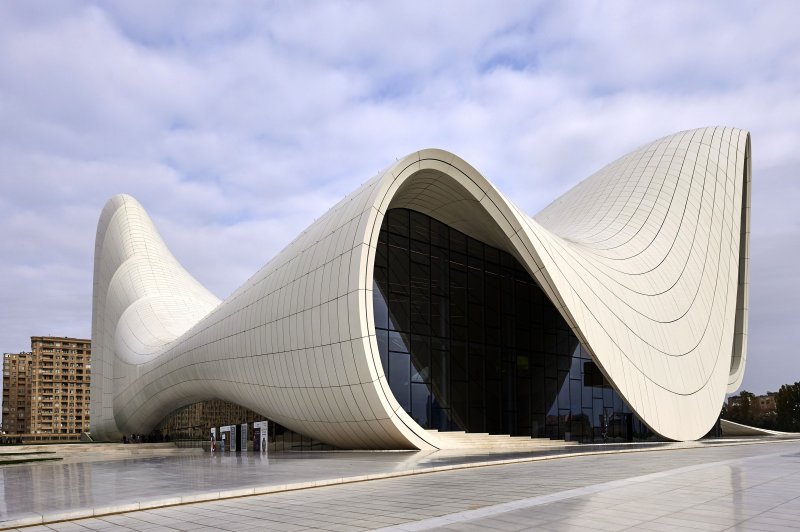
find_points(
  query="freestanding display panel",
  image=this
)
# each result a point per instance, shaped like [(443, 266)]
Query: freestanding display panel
[(260, 436), (225, 438)]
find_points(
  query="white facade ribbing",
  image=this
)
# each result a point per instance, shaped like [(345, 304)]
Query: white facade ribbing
[(646, 260)]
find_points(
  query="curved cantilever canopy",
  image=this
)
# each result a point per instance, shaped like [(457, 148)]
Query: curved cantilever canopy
[(646, 260)]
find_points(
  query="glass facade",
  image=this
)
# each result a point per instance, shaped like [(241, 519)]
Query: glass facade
[(468, 341)]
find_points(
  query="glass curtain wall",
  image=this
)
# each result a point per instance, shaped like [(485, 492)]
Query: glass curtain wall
[(468, 341)]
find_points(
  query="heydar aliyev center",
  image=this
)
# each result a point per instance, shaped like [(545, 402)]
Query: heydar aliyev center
[(426, 299)]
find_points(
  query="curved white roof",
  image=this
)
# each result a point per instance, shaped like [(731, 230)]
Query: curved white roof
[(646, 260)]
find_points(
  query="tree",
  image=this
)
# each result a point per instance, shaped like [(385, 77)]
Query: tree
[(742, 409), (787, 403)]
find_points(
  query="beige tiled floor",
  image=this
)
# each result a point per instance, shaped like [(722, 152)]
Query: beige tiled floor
[(748, 487)]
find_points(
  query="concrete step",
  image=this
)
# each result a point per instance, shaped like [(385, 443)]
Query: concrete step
[(91, 452), (483, 440)]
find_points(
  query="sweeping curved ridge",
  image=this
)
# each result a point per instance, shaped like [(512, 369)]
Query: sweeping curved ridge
[(646, 260)]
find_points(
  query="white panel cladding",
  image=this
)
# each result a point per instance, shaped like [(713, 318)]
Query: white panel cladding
[(642, 259)]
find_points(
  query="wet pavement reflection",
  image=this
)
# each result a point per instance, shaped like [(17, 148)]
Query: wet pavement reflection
[(48, 488)]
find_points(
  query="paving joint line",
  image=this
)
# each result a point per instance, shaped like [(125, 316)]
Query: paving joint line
[(540, 500)]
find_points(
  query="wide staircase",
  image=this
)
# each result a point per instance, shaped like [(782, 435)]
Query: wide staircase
[(90, 452), (131, 450), (483, 441)]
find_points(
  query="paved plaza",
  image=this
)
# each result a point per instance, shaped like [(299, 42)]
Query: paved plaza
[(702, 486)]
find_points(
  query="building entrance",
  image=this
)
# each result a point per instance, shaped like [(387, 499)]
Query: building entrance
[(468, 341)]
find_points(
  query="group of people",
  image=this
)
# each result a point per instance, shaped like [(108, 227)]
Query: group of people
[(145, 438)]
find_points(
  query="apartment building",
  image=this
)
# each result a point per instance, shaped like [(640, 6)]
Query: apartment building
[(16, 400), (46, 391)]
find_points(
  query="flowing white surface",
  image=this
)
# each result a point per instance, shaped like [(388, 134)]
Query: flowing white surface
[(646, 260)]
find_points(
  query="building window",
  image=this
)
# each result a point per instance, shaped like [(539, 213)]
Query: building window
[(468, 340)]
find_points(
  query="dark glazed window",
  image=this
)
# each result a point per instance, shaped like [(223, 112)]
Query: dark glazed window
[(468, 341)]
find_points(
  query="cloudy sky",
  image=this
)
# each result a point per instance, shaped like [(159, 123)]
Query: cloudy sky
[(237, 127)]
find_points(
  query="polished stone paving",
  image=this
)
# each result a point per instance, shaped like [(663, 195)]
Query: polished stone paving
[(44, 492), (703, 487)]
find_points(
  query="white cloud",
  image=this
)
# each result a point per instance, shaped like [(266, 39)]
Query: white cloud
[(244, 123)]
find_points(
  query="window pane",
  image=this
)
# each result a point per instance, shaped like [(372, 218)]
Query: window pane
[(420, 404), (380, 307), (421, 358), (382, 337), (398, 221), (420, 227), (440, 365), (439, 272), (458, 242), (398, 342), (458, 361), (400, 378), (440, 316), (440, 234)]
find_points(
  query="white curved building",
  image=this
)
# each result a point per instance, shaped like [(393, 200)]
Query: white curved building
[(427, 299)]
